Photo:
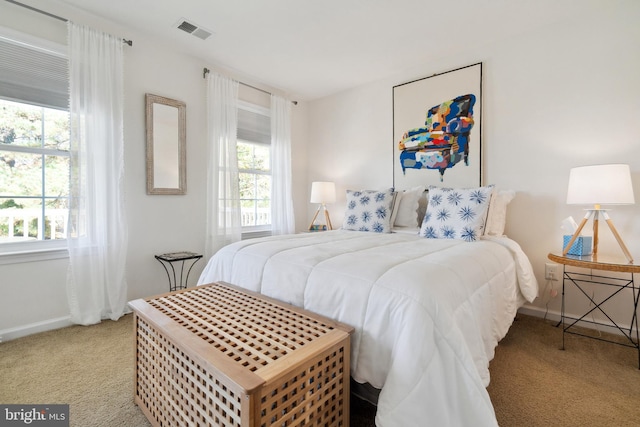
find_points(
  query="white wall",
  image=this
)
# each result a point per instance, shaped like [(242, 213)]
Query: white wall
[(562, 96), (33, 294)]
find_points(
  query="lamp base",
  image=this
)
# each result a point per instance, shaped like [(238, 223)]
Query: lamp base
[(327, 219), (595, 213)]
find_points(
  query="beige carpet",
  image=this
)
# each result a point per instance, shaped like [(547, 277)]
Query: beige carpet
[(590, 383), (533, 382)]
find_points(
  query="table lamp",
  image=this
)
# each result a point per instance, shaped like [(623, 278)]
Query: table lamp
[(599, 185), (322, 193)]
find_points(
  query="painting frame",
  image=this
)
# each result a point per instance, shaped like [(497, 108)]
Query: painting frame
[(425, 150)]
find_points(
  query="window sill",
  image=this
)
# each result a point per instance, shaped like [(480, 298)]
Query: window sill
[(42, 253)]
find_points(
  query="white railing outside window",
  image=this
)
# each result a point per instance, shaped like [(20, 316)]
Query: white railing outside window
[(56, 219), (252, 217), (55, 222)]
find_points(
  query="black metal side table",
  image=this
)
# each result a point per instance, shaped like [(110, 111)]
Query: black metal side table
[(616, 284), (167, 261)]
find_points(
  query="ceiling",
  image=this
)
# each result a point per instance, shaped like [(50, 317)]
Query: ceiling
[(311, 49)]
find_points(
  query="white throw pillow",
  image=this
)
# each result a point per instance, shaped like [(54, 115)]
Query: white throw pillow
[(406, 207), (456, 213), (369, 210), (497, 216)]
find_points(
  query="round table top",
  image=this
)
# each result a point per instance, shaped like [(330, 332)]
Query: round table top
[(597, 262)]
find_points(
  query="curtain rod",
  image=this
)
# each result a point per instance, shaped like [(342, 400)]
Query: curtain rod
[(51, 15), (206, 71)]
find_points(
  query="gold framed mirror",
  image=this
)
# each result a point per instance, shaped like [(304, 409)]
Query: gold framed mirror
[(166, 145)]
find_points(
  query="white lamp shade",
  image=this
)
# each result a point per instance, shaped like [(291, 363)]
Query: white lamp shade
[(323, 192), (600, 184)]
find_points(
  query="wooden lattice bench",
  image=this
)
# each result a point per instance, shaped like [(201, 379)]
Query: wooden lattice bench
[(218, 355)]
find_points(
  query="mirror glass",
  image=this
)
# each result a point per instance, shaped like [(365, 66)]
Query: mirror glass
[(166, 145)]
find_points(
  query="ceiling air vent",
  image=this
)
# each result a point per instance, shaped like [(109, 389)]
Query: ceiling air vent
[(187, 26), (193, 29)]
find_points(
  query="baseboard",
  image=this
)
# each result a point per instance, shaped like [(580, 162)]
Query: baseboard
[(532, 310), (555, 316), (34, 328), (61, 322)]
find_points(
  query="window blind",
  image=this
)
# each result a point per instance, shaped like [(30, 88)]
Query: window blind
[(253, 126), (33, 75)]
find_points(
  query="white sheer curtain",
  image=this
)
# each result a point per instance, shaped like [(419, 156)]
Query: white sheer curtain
[(97, 240), (223, 193), (282, 216)]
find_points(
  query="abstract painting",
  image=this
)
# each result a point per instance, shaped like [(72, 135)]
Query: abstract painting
[(437, 130)]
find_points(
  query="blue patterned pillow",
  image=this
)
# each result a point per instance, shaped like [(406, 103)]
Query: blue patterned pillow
[(454, 213), (369, 210)]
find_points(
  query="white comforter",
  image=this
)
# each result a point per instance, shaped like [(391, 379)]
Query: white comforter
[(427, 313)]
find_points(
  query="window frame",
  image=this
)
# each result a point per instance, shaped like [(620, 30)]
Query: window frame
[(249, 232), (33, 250)]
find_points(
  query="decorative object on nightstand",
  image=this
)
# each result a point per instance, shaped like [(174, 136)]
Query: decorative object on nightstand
[(599, 185), (167, 261), (322, 193)]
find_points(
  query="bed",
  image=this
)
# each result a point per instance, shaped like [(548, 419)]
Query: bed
[(428, 313)]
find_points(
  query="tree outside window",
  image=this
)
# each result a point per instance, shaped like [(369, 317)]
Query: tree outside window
[(254, 166), (34, 172)]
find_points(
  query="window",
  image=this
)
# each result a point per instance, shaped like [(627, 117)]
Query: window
[(34, 144), (34, 172), (255, 184), (254, 167)]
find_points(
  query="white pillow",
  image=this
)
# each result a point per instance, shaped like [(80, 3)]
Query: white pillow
[(497, 216), (456, 213), (369, 210), (396, 206), (406, 213)]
